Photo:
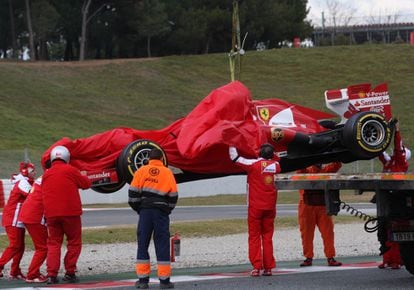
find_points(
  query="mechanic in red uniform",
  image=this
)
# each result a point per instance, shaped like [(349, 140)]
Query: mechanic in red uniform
[(153, 195), (33, 219), (262, 197), (63, 210), (312, 213), (14, 228), (398, 162)]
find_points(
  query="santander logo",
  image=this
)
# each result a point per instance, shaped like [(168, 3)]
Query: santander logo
[(374, 101), (99, 175)]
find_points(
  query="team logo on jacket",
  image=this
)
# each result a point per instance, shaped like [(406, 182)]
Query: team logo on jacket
[(264, 113), (268, 180), (154, 171)]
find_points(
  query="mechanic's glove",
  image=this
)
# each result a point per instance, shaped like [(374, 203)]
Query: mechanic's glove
[(233, 153)]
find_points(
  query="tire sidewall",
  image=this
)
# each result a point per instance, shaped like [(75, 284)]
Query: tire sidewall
[(128, 165), (353, 134), (109, 188)]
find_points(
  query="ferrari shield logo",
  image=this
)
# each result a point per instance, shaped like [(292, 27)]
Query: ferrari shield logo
[(264, 114)]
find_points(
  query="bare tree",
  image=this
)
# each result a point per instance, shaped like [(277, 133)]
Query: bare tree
[(379, 18), (12, 29), (86, 18), (339, 14), (85, 11), (29, 27)]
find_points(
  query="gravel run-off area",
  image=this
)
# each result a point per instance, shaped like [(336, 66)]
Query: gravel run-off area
[(350, 240)]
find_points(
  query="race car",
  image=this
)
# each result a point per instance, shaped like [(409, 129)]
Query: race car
[(196, 146)]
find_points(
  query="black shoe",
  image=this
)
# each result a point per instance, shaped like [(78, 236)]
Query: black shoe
[(141, 285), (70, 278), (333, 262), (52, 280), (168, 285), (306, 263)]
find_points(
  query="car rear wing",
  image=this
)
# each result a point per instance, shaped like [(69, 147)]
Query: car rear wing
[(359, 98)]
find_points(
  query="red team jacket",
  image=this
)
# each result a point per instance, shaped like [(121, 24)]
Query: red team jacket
[(397, 162), (17, 196), (32, 209), (260, 181), (60, 190)]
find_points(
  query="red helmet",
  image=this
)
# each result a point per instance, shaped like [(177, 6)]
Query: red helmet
[(27, 169)]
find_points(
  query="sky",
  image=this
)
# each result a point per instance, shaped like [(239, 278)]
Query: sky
[(362, 10)]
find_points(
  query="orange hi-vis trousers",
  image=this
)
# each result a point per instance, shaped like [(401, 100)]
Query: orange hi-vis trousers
[(309, 217)]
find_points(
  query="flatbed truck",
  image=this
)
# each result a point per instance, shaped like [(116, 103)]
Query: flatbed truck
[(394, 194)]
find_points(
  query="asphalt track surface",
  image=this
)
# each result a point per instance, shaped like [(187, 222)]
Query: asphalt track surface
[(126, 216), (104, 217), (356, 273)]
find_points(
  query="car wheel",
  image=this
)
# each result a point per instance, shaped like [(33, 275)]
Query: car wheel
[(366, 134), (134, 155), (407, 255), (109, 188)]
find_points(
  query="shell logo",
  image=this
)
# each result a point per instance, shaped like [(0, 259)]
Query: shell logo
[(268, 180), (276, 134), (154, 171)]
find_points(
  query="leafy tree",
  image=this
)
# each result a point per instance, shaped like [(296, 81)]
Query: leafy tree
[(152, 20), (45, 19), (30, 29), (69, 25), (5, 25), (199, 26), (273, 21)]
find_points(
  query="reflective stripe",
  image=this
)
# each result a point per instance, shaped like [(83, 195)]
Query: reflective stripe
[(155, 191), (133, 188), (172, 194), (134, 199), (164, 270), (143, 269)]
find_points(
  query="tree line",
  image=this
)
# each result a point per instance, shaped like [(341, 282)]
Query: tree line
[(97, 29)]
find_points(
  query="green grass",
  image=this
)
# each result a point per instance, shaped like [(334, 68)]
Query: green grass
[(44, 101)]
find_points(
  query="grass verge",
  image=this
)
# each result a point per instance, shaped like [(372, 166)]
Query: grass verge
[(193, 229)]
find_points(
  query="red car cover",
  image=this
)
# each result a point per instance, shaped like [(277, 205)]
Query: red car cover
[(199, 142)]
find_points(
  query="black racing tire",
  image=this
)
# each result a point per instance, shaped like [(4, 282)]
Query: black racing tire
[(109, 188), (366, 134), (407, 255), (134, 155)]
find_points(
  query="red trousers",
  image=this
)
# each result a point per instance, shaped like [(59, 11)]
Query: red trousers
[(392, 256), (261, 227), (309, 217), (14, 250), (58, 227), (38, 233)]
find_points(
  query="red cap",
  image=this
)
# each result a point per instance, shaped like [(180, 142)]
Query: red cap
[(26, 168)]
